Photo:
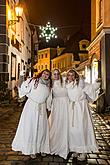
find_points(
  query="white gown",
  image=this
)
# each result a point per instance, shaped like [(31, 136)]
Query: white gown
[(32, 134), (59, 120), (81, 133)]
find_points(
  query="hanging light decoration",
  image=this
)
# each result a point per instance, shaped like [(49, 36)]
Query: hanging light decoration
[(48, 32)]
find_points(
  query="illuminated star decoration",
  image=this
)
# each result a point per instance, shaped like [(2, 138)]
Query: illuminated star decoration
[(48, 32)]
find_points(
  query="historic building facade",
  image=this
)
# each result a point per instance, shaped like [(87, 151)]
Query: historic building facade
[(62, 62), (44, 59), (15, 43), (99, 48)]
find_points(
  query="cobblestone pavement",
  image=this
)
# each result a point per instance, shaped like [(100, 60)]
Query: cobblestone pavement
[(9, 118)]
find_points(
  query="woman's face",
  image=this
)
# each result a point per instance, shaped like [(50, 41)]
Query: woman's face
[(45, 75), (56, 75), (71, 76)]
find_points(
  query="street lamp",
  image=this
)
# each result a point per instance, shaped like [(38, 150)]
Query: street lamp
[(18, 11)]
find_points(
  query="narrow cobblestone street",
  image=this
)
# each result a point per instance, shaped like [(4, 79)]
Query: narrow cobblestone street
[(9, 118)]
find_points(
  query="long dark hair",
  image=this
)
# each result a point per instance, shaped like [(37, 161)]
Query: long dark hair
[(61, 80), (36, 78), (75, 74)]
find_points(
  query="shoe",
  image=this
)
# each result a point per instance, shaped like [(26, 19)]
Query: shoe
[(33, 156), (82, 157), (43, 154), (75, 155)]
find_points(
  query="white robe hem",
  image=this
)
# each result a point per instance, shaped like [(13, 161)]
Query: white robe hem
[(84, 149)]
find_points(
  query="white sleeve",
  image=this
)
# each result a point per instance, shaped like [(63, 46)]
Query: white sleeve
[(25, 88), (96, 85), (82, 82), (49, 101), (91, 91)]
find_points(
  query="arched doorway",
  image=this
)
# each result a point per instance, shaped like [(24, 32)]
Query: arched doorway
[(94, 70), (87, 74)]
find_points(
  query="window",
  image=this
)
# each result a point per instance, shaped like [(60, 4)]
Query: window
[(45, 66), (53, 65), (22, 64), (18, 70), (41, 66), (84, 46), (64, 63), (13, 66), (42, 55), (100, 10), (46, 55), (58, 65)]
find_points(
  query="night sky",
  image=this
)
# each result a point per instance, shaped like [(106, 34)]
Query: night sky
[(69, 15)]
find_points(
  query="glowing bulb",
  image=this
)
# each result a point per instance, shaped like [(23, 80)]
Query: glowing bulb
[(48, 32)]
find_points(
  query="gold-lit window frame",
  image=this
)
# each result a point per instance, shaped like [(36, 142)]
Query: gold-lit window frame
[(100, 13)]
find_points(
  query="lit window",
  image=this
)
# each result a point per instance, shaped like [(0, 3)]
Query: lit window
[(58, 65), (84, 46), (100, 10), (46, 55), (100, 13)]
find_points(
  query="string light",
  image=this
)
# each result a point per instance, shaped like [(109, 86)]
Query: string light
[(48, 32), (63, 27)]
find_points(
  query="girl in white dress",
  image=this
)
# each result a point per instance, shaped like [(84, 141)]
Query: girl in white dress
[(81, 133), (32, 135), (58, 103)]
